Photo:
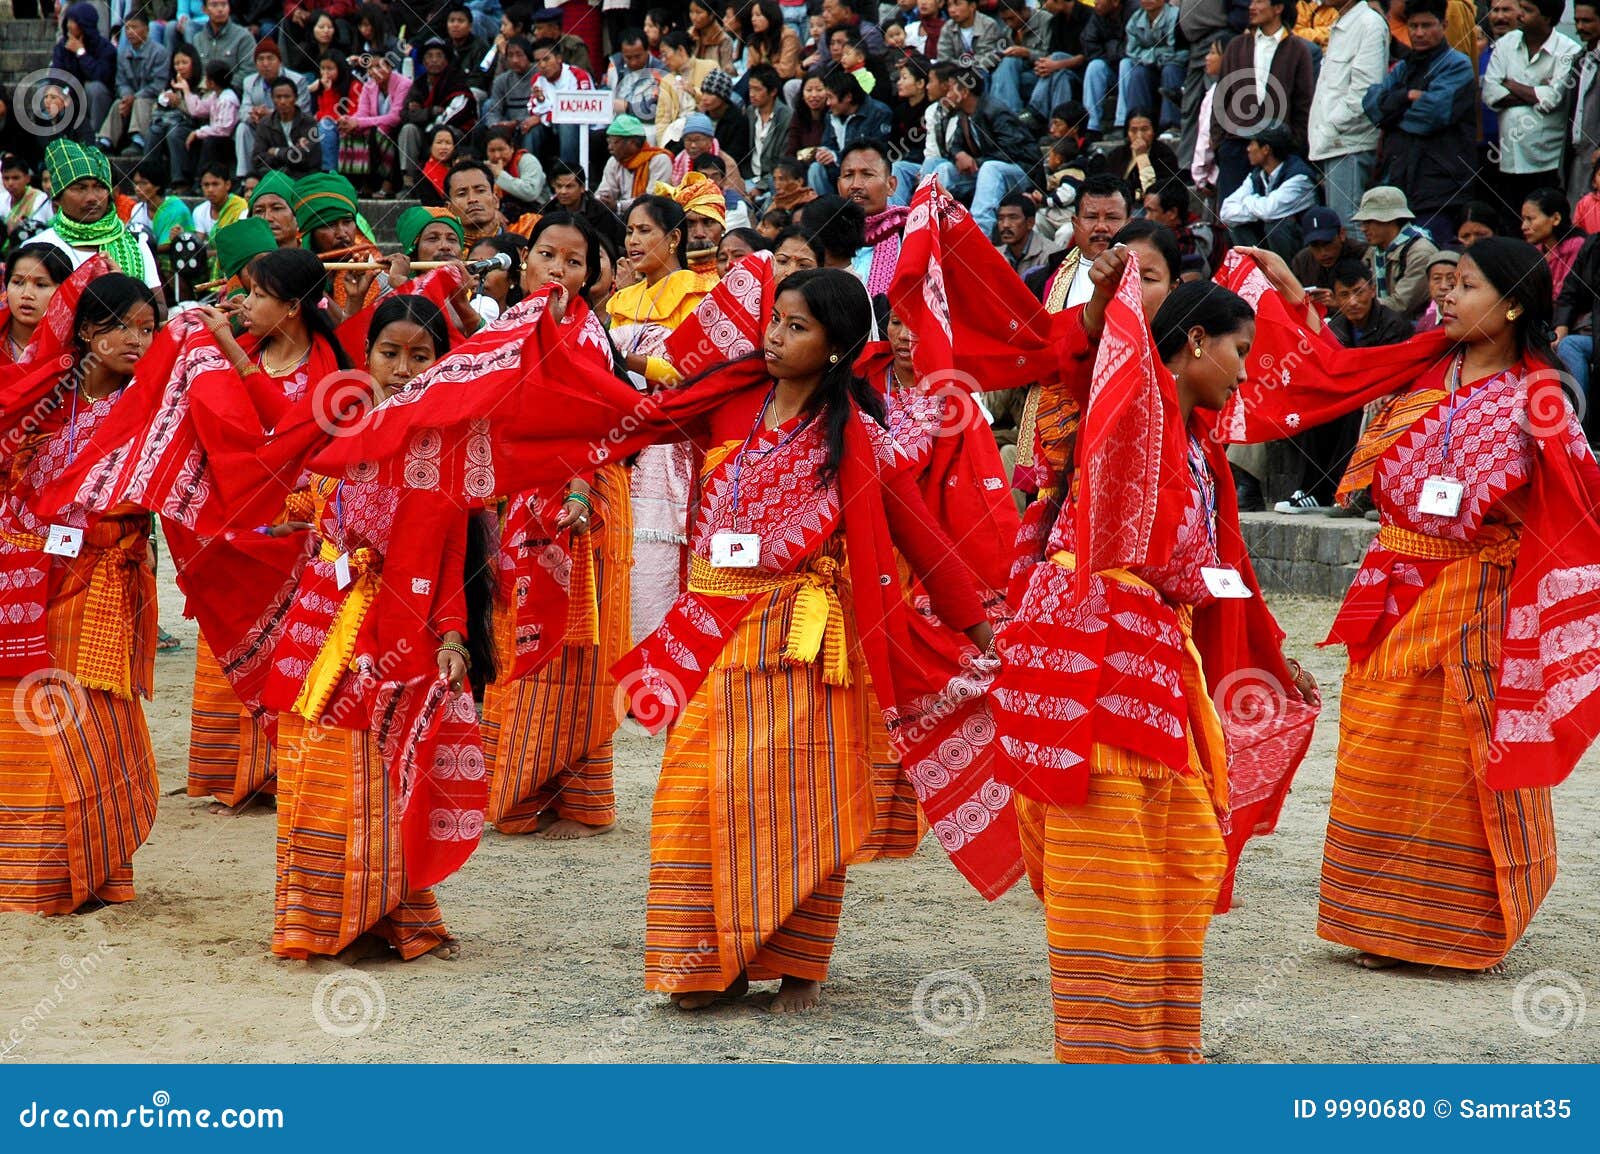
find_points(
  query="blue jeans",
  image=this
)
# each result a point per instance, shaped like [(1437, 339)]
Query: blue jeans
[(1344, 179), (1097, 81), (1013, 81), (329, 138), (907, 174), (824, 181), (171, 127), (993, 183), (1138, 89), (565, 135), (1574, 353), (1053, 90)]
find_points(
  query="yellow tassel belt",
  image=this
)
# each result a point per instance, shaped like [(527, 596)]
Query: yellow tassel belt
[(1497, 543), (105, 648), (816, 625), (338, 649)]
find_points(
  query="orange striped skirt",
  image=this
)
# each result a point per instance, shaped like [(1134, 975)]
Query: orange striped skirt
[(1129, 881), (230, 756), (900, 825), (78, 793), (340, 873), (766, 795), (548, 737), (1422, 861)]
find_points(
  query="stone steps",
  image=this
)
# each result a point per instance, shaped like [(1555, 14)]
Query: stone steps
[(1308, 553)]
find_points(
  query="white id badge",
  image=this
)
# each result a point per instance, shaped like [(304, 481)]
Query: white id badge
[(63, 541), (1224, 583), (1440, 497), (341, 570), (735, 550)]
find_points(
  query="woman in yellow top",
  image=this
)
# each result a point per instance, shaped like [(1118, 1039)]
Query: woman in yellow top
[(643, 315)]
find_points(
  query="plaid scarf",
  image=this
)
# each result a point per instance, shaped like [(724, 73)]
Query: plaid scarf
[(108, 234), (1393, 253)]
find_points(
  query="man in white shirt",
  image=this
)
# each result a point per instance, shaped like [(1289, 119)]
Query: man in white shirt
[(86, 219), (1529, 82), (20, 202), (1265, 209), (1343, 141), (1105, 204), (256, 104)]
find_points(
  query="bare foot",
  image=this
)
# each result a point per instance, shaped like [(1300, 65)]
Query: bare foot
[(364, 948), (568, 830), (1492, 971), (701, 999), (255, 800), (795, 996), (546, 819), (1376, 962), (449, 949)]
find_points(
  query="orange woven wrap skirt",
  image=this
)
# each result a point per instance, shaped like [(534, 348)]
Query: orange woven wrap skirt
[(340, 872), (766, 795), (1129, 880), (548, 737), (1422, 861), (230, 756)]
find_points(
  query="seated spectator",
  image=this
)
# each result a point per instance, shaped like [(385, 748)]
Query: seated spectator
[(1060, 73), (309, 44), (1143, 161), (633, 78), (923, 28), (1265, 209), (715, 169), (853, 116), (1586, 213), (1547, 225), (440, 96), (738, 243), (219, 205), (1399, 252), (569, 193), (170, 123), (1027, 32), (219, 38), (85, 60), (374, 35), (839, 228), (789, 187), (518, 176), (287, 140), (553, 75), (1169, 205), (511, 92), (170, 218), (711, 41), (773, 222), (472, 53), (86, 222), (215, 113), (1577, 321), (377, 114), (679, 94), (335, 93), (440, 163), (635, 166), (851, 55), (732, 130), (1478, 220), (142, 68), (24, 209), (810, 117), (1326, 244), (256, 103), (1358, 318), (971, 39), (1104, 41), (699, 139), (769, 119), (1441, 283), (1152, 66), (994, 153), (547, 24), (1016, 238), (1105, 205), (768, 40)]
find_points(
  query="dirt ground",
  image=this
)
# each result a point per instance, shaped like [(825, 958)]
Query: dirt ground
[(924, 971)]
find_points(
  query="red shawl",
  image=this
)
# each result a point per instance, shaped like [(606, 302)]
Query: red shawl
[(28, 400), (729, 323), (438, 285)]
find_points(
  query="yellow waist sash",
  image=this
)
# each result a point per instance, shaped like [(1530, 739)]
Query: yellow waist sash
[(816, 625), (1497, 543), (334, 658)]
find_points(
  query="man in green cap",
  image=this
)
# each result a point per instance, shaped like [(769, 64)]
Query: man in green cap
[(86, 220), (430, 233), (273, 202), (325, 210), (635, 166), (236, 245)]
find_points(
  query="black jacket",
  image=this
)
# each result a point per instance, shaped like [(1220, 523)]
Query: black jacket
[(993, 132), (1384, 327), (298, 155)]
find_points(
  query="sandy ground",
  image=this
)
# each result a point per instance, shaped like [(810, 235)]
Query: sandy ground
[(924, 971)]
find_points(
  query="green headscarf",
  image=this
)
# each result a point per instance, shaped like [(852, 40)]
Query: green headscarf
[(321, 199), (241, 242), (418, 217), (68, 162), (274, 184)]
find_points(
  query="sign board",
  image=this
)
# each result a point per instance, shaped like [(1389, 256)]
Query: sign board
[(593, 107)]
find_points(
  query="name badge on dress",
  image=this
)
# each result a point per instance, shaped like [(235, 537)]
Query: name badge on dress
[(341, 571), (63, 541), (1441, 497), (735, 550), (1224, 583)]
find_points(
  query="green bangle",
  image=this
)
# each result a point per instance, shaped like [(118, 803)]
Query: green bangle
[(582, 499)]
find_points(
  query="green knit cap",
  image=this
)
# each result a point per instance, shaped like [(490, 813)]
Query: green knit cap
[(413, 220), (68, 162), (321, 199), (241, 242), (274, 184)]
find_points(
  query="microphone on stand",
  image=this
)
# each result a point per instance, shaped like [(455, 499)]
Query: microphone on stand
[(481, 268)]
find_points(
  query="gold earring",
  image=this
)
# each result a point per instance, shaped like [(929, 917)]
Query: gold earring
[(1198, 351), (833, 360), (1513, 313)]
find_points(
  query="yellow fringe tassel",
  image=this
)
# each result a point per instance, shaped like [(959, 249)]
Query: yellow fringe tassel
[(334, 658)]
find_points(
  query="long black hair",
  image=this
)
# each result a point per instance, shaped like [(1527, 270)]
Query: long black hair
[(1554, 202), (1161, 238), (295, 275), (839, 302), (591, 241), (1200, 304), (668, 217), (1521, 276)]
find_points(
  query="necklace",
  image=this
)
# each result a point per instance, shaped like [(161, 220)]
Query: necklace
[(280, 370)]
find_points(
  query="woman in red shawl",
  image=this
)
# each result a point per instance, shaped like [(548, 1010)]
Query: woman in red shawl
[(1103, 703), (33, 274), (77, 774)]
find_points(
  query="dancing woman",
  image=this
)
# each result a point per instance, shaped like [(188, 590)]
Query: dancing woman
[(78, 780), (547, 735)]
